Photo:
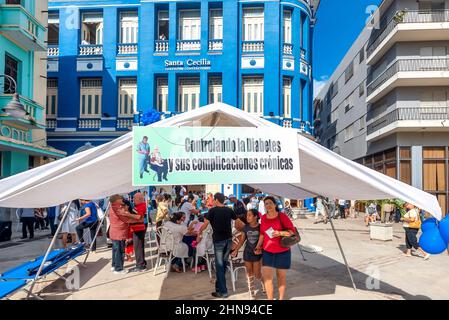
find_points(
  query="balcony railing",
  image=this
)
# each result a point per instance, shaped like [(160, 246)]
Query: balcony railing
[(406, 16), (408, 65), (188, 45), (161, 46), (124, 123), (401, 114), (89, 124), (53, 51), (91, 50), (127, 48), (51, 124), (303, 53), (252, 46), (22, 26), (216, 45), (288, 48)]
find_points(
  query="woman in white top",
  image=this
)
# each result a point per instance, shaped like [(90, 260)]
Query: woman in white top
[(70, 222), (178, 229), (411, 231)]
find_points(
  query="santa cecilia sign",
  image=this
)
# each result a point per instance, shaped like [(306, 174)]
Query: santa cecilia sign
[(189, 64), (188, 155)]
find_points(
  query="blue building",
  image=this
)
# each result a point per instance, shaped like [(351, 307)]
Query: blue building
[(108, 60)]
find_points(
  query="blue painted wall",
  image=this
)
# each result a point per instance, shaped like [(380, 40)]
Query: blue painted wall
[(227, 64)]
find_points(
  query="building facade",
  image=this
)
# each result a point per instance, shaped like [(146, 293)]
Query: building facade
[(110, 60), (386, 105)]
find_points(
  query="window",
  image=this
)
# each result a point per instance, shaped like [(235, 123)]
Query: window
[(53, 29), (52, 98), (162, 94), (435, 173), (163, 25), (92, 29), (189, 25), (361, 55), (405, 165), (252, 95), (90, 98), (333, 89), (12, 70), (129, 27), (349, 72), (362, 123), (14, 2), (334, 115), (430, 5), (433, 52), (128, 97), (287, 97), (216, 24), (432, 100), (189, 94), (349, 132), (287, 26), (362, 89), (215, 90), (253, 24)]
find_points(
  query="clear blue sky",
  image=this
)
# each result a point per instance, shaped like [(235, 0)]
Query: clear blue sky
[(338, 26)]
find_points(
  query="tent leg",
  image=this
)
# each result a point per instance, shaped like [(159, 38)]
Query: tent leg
[(96, 233), (58, 230), (343, 255), (302, 254)]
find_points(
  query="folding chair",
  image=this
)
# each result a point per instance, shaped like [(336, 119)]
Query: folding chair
[(164, 249)]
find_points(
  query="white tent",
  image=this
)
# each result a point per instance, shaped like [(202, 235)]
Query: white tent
[(106, 170)]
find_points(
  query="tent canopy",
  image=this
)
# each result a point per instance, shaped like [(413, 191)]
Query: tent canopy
[(105, 170)]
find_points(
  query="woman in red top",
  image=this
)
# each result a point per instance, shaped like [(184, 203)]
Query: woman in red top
[(274, 225)]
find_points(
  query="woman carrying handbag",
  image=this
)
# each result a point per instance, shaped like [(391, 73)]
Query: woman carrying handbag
[(412, 224)]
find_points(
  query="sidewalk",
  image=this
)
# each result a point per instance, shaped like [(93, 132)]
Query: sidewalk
[(321, 276)]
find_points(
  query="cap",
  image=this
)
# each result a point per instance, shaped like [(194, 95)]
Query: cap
[(231, 196)]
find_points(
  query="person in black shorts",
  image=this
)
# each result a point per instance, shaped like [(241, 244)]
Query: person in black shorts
[(251, 256)]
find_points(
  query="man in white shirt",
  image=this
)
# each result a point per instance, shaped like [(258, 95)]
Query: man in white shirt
[(183, 191), (261, 208), (188, 207)]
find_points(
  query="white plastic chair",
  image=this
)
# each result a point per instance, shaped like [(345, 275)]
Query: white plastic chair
[(208, 254), (164, 249)]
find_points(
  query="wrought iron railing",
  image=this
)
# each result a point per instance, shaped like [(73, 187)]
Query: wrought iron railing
[(407, 65), (401, 114), (406, 16)]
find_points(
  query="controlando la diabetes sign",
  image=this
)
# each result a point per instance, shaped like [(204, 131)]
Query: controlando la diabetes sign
[(192, 156)]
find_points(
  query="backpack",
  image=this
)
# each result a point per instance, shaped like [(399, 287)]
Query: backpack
[(371, 210)]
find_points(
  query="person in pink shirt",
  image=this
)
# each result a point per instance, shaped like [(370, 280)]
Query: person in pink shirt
[(275, 258), (120, 220)]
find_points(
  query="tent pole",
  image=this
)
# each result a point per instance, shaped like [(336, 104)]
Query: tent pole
[(96, 232), (52, 243), (340, 247)]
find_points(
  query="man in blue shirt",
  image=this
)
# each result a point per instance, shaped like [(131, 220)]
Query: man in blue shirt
[(88, 219), (143, 149), (51, 215)]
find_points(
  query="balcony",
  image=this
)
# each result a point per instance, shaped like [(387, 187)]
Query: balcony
[(20, 25), (127, 49), (91, 50), (188, 45), (89, 123), (409, 72), (53, 51), (417, 119), (288, 49), (216, 45), (35, 120), (408, 25), (51, 124), (161, 46), (253, 46)]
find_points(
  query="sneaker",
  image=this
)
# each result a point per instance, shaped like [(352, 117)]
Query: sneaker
[(203, 267), (219, 295), (112, 269), (196, 269), (137, 269), (124, 271), (426, 257)]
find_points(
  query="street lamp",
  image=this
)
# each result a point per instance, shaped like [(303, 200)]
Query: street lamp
[(14, 108)]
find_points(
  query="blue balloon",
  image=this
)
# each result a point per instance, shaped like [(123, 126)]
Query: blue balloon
[(444, 229), (429, 224), (432, 242)]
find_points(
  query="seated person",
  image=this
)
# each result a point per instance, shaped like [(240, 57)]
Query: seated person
[(159, 165)]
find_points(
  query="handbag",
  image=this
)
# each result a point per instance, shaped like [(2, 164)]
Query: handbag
[(415, 224), (291, 240)]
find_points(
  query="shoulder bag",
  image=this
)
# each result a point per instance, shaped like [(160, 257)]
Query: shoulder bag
[(417, 223), (291, 240)]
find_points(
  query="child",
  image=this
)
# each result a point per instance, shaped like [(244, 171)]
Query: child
[(252, 258)]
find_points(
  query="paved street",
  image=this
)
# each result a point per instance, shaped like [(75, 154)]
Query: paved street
[(322, 276)]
